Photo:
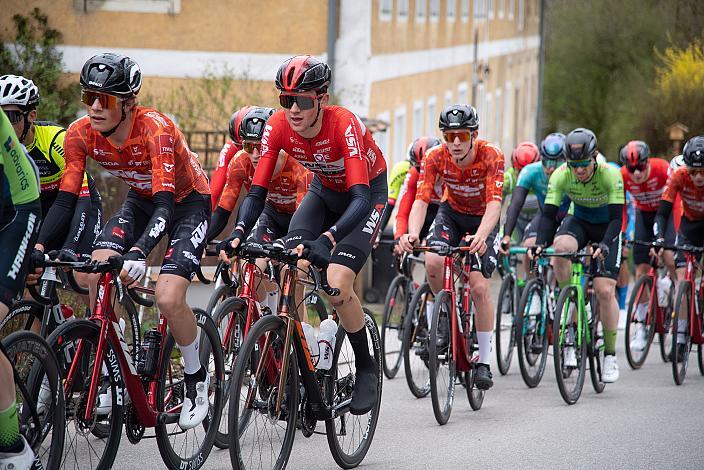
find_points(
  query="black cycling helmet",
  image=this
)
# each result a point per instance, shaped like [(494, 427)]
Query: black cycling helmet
[(580, 144), (114, 74), (459, 116), (552, 145), (694, 152), (303, 73), (252, 125), (634, 153), (419, 148)]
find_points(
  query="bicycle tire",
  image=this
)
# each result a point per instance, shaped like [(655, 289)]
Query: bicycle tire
[(366, 424), (63, 342), (504, 352), (570, 396), (532, 369), (166, 433), (222, 317), (42, 382), (219, 294), (595, 348), (416, 336), (21, 316), (442, 312), (274, 326), (474, 395), (684, 296), (393, 321), (643, 284)]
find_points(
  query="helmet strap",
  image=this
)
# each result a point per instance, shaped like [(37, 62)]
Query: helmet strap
[(25, 127), (107, 134), (317, 115)]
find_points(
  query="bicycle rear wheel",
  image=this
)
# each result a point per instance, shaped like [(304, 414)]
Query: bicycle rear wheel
[(259, 437), (350, 436), (40, 398), (532, 334), (596, 346), (680, 355), (570, 376), (505, 324), (219, 295), (21, 316), (392, 326), (441, 364), (635, 326), (415, 343)]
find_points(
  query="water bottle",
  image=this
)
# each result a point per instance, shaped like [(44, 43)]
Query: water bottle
[(664, 284), (312, 341), (326, 343), (149, 356)]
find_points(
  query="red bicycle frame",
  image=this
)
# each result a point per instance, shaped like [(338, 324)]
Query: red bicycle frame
[(695, 326), (653, 299)]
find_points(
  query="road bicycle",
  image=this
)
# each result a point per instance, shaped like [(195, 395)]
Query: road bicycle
[(276, 387), (94, 359), (509, 296), (416, 334)]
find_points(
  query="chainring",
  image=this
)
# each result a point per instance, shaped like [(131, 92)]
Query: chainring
[(133, 427)]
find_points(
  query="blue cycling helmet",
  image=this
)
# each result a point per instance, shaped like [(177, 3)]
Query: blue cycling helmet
[(552, 145)]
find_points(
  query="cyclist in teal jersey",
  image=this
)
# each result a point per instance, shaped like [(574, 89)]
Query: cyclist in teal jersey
[(596, 190), (20, 213)]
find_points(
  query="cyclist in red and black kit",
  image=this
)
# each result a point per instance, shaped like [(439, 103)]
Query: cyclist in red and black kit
[(342, 209), (168, 194), (219, 176), (472, 171)]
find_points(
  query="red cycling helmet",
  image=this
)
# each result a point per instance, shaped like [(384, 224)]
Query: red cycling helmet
[(524, 154), (634, 153), (419, 148), (235, 121), (303, 73)]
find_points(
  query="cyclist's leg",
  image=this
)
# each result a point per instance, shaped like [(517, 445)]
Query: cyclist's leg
[(270, 226), (570, 236), (444, 231)]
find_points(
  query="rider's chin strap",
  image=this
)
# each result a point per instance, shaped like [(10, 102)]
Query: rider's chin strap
[(107, 134), (25, 126)]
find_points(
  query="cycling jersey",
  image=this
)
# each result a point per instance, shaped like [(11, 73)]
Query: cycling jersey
[(342, 155), (534, 179), (467, 190), (219, 175), (646, 195), (285, 189), (153, 154), (590, 199), (20, 183), (692, 196), (408, 195), (396, 179), (531, 204)]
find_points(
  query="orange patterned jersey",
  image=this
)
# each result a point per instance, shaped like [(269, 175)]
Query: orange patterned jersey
[(692, 197), (467, 190), (155, 157), (286, 188)]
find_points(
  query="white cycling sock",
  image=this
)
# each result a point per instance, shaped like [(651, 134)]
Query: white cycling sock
[(681, 330), (642, 311), (191, 358), (429, 306), (484, 340), (272, 301)]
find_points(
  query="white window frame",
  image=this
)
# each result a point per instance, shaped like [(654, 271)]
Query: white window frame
[(135, 6), (418, 121), (448, 98), (463, 93), (382, 138), (421, 15), (501, 4), (432, 116), (521, 15), (401, 15), (508, 113), (385, 15), (400, 141), (490, 9), (511, 9), (498, 117), (434, 11), (451, 10), (488, 118), (464, 10)]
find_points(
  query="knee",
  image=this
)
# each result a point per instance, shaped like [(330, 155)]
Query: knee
[(168, 300), (480, 291), (605, 292), (433, 265), (341, 277), (85, 280)]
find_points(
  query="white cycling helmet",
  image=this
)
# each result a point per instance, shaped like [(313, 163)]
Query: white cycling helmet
[(19, 91)]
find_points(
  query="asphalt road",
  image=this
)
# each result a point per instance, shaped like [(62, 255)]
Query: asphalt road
[(642, 421)]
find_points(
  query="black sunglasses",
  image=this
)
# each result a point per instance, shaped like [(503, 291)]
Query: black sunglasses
[(15, 116), (304, 102)]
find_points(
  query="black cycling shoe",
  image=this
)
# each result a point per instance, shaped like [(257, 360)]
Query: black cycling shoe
[(423, 352), (442, 338), (681, 353), (482, 377), (365, 393)]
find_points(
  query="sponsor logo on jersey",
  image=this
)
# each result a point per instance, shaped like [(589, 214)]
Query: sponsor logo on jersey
[(17, 263), (168, 167), (351, 140), (157, 117), (166, 144), (118, 232), (322, 142), (373, 221), (346, 255)]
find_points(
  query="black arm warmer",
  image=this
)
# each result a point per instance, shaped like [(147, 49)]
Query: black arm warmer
[(386, 216), (661, 217), (546, 228), (218, 221), (159, 223), (58, 216), (251, 207), (79, 229), (615, 223), (518, 197), (358, 208)]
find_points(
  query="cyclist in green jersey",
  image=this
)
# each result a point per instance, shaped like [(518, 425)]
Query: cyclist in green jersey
[(596, 190), (396, 179), (20, 213)]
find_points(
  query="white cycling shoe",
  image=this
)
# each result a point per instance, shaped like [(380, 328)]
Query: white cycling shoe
[(641, 340), (570, 357), (23, 460), (195, 403), (610, 372)]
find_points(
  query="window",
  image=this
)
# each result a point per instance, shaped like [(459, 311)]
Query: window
[(480, 9), (402, 10), (498, 118), (134, 6), (521, 14), (511, 8), (399, 134), (417, 119), (488, 127), (448, 98), (421, 10), (462, 93), (500, 5), (464, 10), (434, 10), (382, 138), (433, 117), (490, 9), (385, 10), (451, 10)]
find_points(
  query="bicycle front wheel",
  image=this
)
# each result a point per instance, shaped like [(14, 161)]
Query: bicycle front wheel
[(532, 333), (505, 324), (569, 346), (415, 343), (639, 326), (260, 435), (596, 346), (392, 326), (442, 364), (350, 436), (40, 398)]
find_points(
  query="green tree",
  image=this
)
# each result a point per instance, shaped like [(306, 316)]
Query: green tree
[(32, 53)]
